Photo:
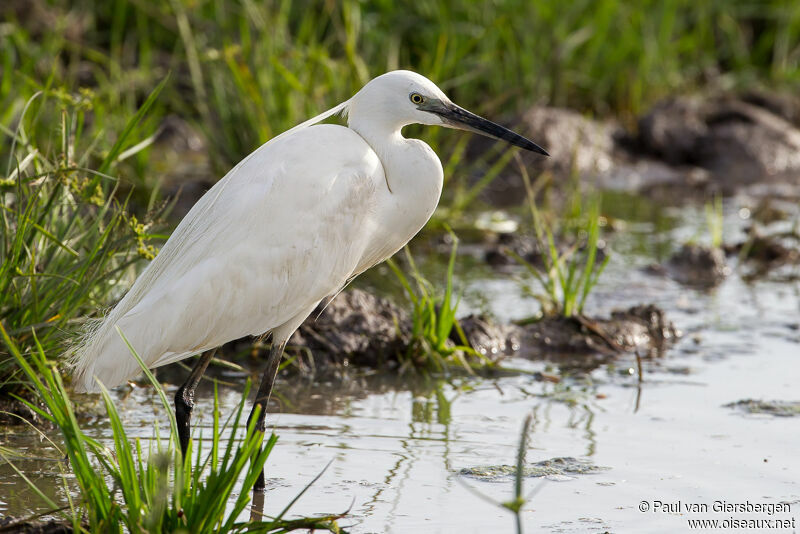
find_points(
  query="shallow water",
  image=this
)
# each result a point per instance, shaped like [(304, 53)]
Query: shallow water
[(396, 454)]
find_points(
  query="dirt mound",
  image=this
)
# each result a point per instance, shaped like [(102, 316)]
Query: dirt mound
[(355, 328)]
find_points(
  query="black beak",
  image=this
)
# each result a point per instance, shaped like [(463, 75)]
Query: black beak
[(458, 117)]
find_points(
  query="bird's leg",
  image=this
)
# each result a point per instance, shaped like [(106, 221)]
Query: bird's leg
[(262, 398), (184, 399)]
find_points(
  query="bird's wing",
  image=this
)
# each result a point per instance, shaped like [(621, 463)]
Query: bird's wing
[(287, 227)]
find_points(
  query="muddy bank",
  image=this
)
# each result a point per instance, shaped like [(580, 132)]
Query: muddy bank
[(15, 412), (11, 525), (355, 328), (695, 266), (360, 329), (737, 142), (682, 146), (583, 341)]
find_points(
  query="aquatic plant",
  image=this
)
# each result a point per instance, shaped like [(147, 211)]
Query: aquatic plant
[(568, 276), (715, 220), (155, 490), (433, 319)]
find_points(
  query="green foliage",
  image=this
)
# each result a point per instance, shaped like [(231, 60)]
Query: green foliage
[(136, 491), (433, 319), (248, 70), (715, 220), (568, 276), (64, 242)]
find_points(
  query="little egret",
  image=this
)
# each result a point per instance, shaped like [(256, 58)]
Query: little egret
[(286, 228)]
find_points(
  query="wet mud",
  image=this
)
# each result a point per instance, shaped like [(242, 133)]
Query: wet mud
[(682, 147), (640, 328), (761, 253), (359, 329), (355, 328), (695, 266), (11, 525), (15, 412)]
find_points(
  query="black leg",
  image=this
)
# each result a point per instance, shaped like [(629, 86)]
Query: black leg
[(184, 399), (262, 399)]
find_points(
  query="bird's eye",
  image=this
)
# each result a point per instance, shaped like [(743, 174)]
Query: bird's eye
[(417, 98)]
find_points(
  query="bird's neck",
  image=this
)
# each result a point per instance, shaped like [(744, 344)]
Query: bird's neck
[(414, 178)]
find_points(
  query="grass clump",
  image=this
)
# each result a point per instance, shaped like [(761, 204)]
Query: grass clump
[(67, 241), (433, 320), (155, 490), (569, 276)]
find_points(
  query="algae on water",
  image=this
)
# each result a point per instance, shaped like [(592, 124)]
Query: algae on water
[(553, 467), (776, 408)]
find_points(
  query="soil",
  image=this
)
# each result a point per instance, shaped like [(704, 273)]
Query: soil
[(11, 525), (360, 329), (640, 328), (762, 253), (737, 142), (697, 266), (355, 328), (487, 337), (682, 147), (14, 411)]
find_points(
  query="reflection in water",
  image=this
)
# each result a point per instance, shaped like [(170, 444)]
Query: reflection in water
[(257, 507)]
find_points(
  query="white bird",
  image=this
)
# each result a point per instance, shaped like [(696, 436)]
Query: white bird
[(286, 228)]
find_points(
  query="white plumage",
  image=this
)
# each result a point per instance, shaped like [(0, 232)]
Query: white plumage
[(284, 229)]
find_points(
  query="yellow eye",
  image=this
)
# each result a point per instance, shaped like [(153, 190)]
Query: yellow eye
[(417, 98)]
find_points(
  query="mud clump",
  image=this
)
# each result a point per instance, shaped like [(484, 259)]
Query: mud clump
[(697, 266), (637, 328), (554, 467), (736, 141), (355, 328), (503, 252), (764, 253), (486, 337), (575, 142), (12, 525), (682, 146), (15, 412), (500, 253), (776, 408)]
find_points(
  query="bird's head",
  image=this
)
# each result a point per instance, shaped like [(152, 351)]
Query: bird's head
[(402, 97)]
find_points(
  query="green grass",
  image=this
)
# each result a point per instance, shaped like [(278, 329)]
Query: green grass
[(433, 320), (568, 276), (68, 243), (244, 71), (715, 220), (138, 490)]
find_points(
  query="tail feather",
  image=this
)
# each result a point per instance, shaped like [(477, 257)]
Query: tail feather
[(102, 354)]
